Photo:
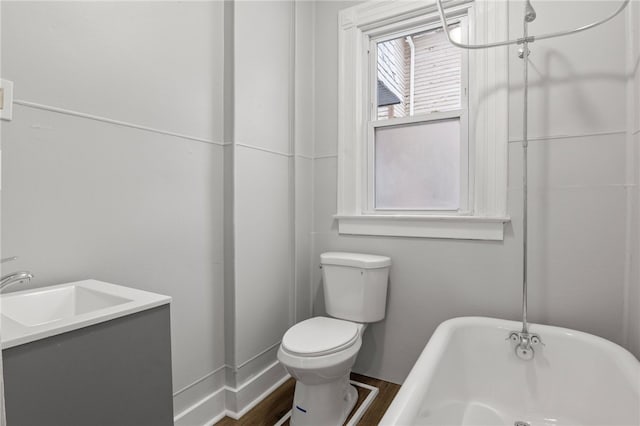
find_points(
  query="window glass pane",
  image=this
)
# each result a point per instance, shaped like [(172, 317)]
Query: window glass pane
[(417, 166), (419, 74)]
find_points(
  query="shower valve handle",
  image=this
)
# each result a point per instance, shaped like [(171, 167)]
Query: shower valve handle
[(536, 340), (514, 337)]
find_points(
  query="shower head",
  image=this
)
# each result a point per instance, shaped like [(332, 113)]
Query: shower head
[(530, 13)]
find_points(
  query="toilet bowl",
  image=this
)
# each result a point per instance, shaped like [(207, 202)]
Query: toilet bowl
[(320, 352)]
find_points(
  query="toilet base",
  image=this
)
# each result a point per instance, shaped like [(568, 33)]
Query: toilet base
[(325, 404)]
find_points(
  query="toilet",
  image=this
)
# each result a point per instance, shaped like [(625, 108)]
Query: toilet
[(319, 352)]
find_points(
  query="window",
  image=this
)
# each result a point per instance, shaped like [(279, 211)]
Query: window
[(418, 136), (422, 124)]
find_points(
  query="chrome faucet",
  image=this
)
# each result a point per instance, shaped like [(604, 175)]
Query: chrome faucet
[(524, 342), (14, 277)]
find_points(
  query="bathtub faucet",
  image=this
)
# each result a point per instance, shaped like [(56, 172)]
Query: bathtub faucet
[(524, 343)]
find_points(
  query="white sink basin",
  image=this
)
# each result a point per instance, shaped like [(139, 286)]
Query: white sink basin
[(35, 314), (40, 307)]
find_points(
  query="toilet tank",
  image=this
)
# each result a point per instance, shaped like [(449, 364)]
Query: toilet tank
[(355, 285)]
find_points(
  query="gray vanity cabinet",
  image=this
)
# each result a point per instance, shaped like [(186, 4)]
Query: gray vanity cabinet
[(115, 373)]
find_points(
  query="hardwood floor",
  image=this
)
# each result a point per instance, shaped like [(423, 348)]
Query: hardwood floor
[(269, 410), (276, 405), (386, 392)]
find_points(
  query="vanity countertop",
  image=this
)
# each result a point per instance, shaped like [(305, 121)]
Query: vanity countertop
[(35, 314)]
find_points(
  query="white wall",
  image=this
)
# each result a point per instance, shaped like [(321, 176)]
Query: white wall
[(633, 127), (578, 200), (89, 199), (179, 170), (263, 148)]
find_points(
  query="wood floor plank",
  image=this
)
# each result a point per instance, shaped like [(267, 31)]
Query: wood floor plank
[(276, 405)]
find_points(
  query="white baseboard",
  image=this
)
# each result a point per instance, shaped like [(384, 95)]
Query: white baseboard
[(205, 412), (233, 402), (249, 394)]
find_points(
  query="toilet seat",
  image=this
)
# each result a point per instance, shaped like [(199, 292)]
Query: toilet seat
[(320, 336)]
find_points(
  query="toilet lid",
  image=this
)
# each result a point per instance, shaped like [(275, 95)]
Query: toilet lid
[(320, 336)]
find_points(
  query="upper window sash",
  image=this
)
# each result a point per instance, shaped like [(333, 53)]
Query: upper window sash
[(381, 37)]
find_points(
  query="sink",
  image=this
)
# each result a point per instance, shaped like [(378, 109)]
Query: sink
[(39, 313), (44, 306)]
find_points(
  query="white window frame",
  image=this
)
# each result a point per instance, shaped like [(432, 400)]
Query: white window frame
[(485, 213)]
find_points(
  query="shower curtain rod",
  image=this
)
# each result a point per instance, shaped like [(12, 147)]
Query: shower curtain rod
[(528, 39)]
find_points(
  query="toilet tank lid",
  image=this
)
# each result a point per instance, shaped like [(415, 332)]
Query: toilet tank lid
[(356, 260)]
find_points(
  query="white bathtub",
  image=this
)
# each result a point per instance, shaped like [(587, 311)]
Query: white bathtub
[(468, 374)]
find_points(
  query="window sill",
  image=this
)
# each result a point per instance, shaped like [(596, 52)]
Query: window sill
[(454, 227)]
